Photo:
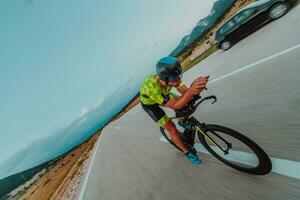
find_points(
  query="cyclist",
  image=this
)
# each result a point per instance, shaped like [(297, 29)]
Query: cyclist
[(155, 91)]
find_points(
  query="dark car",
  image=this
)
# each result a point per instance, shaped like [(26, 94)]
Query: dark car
[(248, 19)]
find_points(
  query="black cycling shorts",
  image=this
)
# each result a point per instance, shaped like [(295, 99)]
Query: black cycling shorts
[(156, 113)]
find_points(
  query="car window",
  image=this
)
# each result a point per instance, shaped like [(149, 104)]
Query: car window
[(243, 15), (227, 26)]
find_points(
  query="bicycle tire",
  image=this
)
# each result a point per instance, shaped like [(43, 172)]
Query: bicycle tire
[(162, 130), (264, 166)]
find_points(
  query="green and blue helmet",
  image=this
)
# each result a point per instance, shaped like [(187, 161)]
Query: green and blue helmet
[(169, 69)]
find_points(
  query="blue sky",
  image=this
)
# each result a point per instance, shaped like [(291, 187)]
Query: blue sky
[(62, 63)]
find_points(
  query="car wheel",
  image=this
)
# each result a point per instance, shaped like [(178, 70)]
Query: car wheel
[(278, 10), (225, 45)]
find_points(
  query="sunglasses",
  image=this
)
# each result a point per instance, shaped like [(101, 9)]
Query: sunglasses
[(175, 78)]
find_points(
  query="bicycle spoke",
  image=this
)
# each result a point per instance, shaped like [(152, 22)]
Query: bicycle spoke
[(238, 153), (212, 141)]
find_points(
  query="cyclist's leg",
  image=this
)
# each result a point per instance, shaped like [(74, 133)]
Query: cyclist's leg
[(171, 128), (190, 154), (189, 136), (160, 117)]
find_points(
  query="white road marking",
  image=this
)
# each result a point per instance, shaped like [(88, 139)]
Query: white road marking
[(116, 127), (89, 171), (256, 63), (280, 166)]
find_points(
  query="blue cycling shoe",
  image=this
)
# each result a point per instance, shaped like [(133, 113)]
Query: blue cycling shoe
[(193, 157)]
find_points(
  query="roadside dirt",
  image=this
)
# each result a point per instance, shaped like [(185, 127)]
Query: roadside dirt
[(63, 178)]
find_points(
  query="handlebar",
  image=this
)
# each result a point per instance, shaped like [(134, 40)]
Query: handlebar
[(192, 105)]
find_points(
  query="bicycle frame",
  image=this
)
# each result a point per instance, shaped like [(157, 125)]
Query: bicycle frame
[(198, 127), (211, 136), (185, 117), (225, 151)]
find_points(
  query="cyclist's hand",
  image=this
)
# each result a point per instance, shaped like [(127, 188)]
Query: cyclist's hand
[(201, 79), (197, 87)]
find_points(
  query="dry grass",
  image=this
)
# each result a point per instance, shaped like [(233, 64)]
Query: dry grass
[(200, 58), (187, 63), (58, 177)]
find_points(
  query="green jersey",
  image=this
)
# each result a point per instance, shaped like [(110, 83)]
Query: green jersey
[(151, 92)]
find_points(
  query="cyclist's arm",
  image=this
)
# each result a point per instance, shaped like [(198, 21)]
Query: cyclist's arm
[(182, 89), (179, 102)]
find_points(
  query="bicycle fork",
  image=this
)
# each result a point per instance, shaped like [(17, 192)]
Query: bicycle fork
[(229, 145)]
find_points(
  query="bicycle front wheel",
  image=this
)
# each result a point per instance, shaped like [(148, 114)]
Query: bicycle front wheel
[(243, 154)]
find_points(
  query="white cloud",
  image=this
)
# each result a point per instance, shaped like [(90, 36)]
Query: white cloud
[(83, 111), (82, 120), (98, 102)]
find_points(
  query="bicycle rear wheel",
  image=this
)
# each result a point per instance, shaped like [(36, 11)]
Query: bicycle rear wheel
[(188, 141), (168, 138), (244, 154)]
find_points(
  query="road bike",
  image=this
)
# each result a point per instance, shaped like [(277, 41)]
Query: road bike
[(227, 145)]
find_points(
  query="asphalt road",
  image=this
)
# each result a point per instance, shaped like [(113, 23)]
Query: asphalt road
[(257, 83)]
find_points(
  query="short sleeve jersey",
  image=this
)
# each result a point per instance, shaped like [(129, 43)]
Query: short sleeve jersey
[(151, 92)]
